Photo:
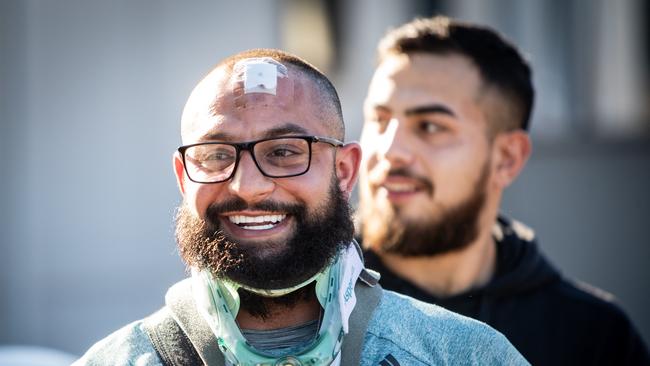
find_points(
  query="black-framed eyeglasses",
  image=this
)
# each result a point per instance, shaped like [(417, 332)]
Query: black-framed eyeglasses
[(276, 157)]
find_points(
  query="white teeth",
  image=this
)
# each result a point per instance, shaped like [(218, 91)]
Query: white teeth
[(259, 227), (271, 221), (400, 187)]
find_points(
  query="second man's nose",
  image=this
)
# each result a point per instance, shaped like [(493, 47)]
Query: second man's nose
[(394, 144)]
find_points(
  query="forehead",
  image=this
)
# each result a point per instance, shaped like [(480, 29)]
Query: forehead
[(246, 101), (408, 80)]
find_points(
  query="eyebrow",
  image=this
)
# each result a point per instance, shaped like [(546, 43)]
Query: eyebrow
[(288, 128), (433, 108)]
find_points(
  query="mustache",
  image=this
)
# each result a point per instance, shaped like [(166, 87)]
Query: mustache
[(237, 204), (406, 173)]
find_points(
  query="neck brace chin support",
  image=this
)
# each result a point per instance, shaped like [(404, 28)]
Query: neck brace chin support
[(218, 303)]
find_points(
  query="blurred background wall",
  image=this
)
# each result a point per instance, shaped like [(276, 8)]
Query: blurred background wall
[(91, 96)]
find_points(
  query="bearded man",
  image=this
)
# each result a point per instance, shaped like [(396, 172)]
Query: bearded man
[(445, 132), (266, 231)]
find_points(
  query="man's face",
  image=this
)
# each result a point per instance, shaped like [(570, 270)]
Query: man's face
[(426, 162), (257, 230), (318, 236)]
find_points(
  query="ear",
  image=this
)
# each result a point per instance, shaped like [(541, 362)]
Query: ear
[(179, 170), (510, 152), (348, 159)]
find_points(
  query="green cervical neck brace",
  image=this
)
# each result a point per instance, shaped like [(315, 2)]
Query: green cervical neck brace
[(218, 303)]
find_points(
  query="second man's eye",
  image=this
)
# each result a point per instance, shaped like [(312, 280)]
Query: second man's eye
[(429, 127)]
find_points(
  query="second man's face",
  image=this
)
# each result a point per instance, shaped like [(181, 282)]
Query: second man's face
[(425, 145)]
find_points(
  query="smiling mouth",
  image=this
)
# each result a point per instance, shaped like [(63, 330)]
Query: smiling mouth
[(260, 222), (400, 187)]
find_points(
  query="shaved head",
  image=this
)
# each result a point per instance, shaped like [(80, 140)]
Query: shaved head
[(220, 92)]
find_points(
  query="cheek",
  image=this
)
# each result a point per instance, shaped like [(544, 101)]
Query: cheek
[(456, 171), (369, 141), (311, 188), (370, 159), (456, 160), (369, 162), (199, 196)]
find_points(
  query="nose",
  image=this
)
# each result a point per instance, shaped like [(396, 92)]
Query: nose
[(248, 182), (395, 145)]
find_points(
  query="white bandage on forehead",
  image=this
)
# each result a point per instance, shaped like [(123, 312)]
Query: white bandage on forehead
[(263, 82), (259, 75)]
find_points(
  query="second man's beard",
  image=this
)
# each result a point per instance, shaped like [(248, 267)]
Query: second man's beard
[(454, 229), (319, 235)]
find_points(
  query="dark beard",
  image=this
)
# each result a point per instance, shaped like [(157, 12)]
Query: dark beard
[(318, 236), (457, 227), (260, 306)]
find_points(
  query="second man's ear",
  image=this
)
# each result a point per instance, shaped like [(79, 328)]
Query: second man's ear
[(510, 152)]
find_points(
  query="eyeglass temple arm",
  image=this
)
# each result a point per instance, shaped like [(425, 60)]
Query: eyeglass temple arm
[(331, 141)]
